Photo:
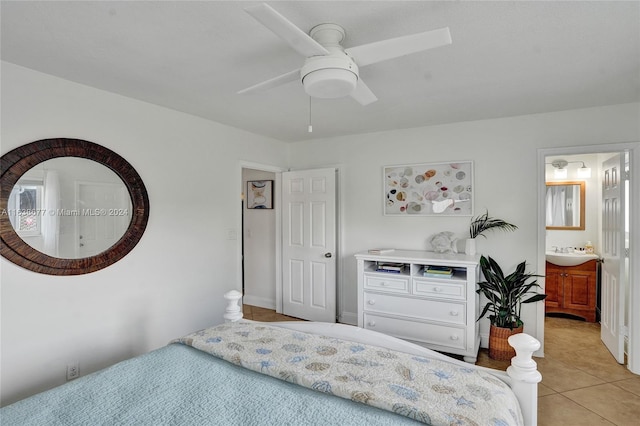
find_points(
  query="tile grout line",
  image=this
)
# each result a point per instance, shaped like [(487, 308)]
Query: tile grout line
[(586, 408)]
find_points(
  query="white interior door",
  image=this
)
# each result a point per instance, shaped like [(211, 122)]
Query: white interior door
[(309, 244), (106, 214), (612, 253)]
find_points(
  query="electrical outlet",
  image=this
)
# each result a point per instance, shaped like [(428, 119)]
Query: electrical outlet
[(73, 371)]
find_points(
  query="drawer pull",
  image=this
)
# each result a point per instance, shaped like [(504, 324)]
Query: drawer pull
[(453, 313), (454, 337), (437, 289), (371, 302), (382, 284), (371, 323)]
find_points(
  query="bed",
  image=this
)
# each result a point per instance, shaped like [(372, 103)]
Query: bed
[(293, 373)]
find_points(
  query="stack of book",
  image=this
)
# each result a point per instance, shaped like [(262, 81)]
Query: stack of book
[(395, 268), (438, 271), (380, 250)]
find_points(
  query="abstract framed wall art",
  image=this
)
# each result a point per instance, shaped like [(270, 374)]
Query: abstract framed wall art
[(430, 189), (260, 194)]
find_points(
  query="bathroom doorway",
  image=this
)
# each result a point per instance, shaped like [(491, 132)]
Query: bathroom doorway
[(575, 160)]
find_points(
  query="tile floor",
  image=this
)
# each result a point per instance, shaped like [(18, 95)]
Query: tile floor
[(581, 382)]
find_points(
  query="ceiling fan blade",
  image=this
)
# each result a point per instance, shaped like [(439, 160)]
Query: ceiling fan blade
[(276, 81), (395, 47), (286, 30), (363, 94)]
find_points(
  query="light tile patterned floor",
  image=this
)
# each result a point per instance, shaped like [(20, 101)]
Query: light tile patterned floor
[(581, 382)]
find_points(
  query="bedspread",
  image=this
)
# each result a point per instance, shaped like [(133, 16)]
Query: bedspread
[(178, 385), (427, 390)]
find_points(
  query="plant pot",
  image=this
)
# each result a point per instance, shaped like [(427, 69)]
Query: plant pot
[(470, 246), (499, 347)]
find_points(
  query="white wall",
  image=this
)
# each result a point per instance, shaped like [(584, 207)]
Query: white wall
[(172, 282), (504, 152)]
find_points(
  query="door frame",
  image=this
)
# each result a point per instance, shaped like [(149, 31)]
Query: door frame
[(278, 219), (349, 318), (633, 148)]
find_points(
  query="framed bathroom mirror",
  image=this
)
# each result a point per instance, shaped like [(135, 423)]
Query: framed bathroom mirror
[(565, 205), (57, 195)]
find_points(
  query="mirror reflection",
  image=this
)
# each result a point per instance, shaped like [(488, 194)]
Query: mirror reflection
[(70, 208), (565, 205)]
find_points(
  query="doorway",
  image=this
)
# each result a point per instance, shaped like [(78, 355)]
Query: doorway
[(269, 293), (259, 249), (593, 157)]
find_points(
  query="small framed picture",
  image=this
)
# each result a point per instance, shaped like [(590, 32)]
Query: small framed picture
[(260, 194)]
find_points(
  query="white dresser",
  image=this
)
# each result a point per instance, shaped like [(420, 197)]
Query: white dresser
[(436, 312)]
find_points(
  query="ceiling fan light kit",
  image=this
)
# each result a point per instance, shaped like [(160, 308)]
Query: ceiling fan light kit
[(333, 76), (329, 70)]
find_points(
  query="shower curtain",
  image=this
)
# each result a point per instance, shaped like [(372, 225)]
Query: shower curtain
[(555, 201)]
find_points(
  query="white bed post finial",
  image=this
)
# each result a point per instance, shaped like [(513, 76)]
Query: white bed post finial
[(525, 375), (233, 312)]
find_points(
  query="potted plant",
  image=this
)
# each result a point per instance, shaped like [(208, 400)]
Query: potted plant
[(505, 295), (481, 224)]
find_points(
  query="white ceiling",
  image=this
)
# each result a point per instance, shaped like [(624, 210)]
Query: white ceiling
[(507, 58)]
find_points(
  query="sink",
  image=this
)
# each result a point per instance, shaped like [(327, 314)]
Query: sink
[(569, 259)]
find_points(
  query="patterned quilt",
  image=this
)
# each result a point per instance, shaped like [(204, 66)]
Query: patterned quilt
[(428, 390)]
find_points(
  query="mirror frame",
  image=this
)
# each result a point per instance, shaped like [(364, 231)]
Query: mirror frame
[(582, 205), (15, 163)]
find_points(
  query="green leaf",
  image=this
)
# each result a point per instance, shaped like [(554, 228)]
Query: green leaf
[(506, 294), (483, 223)]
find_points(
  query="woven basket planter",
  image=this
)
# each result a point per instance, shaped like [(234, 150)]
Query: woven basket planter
[(499, 347)]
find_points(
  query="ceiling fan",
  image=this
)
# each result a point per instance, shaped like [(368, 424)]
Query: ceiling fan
[(329, 70)]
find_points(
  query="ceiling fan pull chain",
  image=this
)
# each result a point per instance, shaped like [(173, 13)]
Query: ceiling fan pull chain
[(310, 126)]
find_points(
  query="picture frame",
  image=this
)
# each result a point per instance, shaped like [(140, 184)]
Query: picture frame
[(429, 189), (260, 194)]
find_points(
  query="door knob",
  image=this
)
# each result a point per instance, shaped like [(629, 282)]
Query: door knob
[(327, 255)]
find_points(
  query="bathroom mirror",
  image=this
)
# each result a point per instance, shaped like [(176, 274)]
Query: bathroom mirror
[(565, 205), (62, 184)]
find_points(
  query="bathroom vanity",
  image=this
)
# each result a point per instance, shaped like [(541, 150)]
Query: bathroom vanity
[(572, 289)]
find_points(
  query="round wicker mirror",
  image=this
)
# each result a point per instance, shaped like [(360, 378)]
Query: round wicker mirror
[(16, 163)]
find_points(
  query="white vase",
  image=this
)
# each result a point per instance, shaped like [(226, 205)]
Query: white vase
[(470, 246)]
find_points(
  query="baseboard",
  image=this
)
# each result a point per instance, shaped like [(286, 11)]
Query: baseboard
[(261, 302), (348, 318)]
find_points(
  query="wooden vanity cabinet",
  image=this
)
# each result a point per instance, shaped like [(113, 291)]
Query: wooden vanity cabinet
[(572, 289)]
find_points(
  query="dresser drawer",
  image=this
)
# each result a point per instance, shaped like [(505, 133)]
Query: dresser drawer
[(445, 290), (434, 310), (434, 334), (392, 284)]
